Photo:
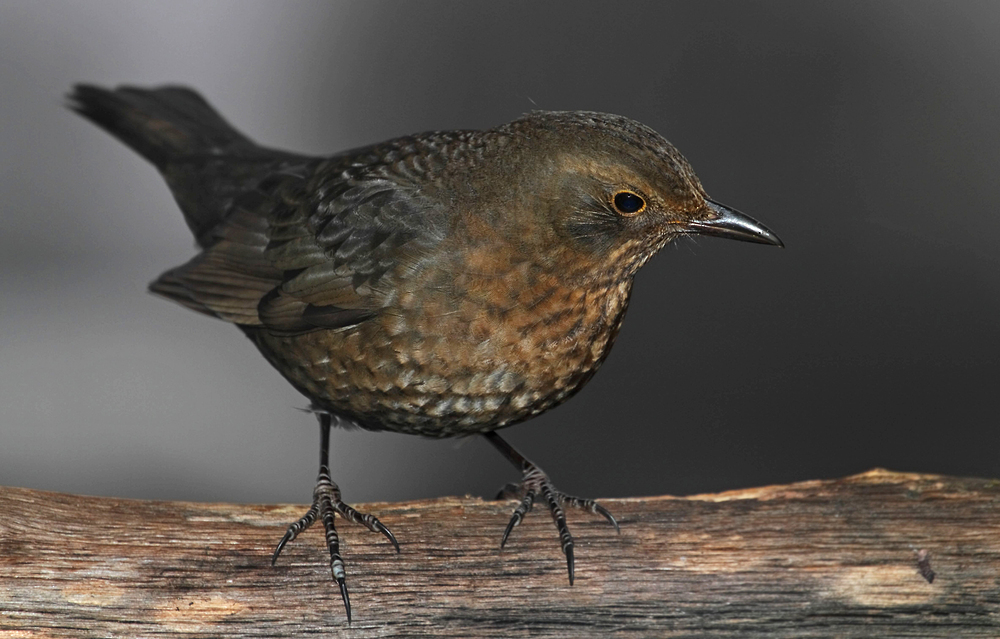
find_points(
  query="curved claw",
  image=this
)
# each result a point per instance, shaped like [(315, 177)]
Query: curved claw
[(569, 561), (522, 509), (601, 510), (368, 521), (343, 595), (388, 533), (281, 545), (514, 520)]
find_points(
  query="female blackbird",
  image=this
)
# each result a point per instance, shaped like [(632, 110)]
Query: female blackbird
[(443, 284)]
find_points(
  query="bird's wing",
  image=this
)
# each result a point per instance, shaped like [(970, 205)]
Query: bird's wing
[(309, 248)]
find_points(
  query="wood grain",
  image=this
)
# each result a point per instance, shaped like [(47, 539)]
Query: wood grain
[(877, 554)]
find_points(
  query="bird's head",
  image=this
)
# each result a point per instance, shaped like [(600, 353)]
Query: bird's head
[(615, 190)]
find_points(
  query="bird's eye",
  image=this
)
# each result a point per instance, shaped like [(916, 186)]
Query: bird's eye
[(628, 203)]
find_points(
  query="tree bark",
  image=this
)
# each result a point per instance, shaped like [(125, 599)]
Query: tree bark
[(877, 554)]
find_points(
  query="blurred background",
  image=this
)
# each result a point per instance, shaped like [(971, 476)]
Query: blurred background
[(867, 135)]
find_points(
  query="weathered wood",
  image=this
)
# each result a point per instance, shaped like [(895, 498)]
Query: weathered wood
[(816, 559)]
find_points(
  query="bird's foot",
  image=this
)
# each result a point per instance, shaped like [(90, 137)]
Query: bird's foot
[(326, 501), (536, 485)]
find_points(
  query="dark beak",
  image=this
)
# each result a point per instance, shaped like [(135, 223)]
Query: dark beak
[(726, 222)]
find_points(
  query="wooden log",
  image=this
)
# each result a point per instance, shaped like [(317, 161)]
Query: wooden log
[(877, 554)]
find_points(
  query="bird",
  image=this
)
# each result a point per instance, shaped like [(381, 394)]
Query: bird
[(442, 284)]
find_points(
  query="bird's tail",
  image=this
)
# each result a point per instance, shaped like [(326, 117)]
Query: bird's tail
[(162, 125), (205, 161)]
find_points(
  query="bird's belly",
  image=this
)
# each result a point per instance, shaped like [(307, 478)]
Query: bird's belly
[(449, 376)]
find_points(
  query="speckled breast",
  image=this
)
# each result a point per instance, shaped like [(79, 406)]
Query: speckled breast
[(443, 365)]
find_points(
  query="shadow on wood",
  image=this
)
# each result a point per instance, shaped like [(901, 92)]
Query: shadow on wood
[(876, 554)]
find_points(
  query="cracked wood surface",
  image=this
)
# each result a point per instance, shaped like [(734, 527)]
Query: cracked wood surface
[(876, 554)]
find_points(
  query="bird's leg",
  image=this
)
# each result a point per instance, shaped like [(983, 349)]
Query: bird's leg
[(535, 484), (326, 501)]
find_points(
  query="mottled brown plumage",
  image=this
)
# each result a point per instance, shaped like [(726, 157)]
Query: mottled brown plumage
[(442, 284)]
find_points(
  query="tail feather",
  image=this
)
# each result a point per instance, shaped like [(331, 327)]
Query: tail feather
[(206, 162), (162, 125)]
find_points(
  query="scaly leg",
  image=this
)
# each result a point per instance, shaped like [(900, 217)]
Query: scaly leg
[(326, 501), (536, 484)]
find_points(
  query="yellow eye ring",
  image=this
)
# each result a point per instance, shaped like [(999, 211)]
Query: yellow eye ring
[(628, 203)]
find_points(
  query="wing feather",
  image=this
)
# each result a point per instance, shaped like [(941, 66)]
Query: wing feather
[(307, 249)]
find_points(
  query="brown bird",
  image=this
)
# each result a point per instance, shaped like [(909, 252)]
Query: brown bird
[(443, 284)]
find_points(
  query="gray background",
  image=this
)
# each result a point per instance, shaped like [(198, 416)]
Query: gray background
[(866, 134)]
